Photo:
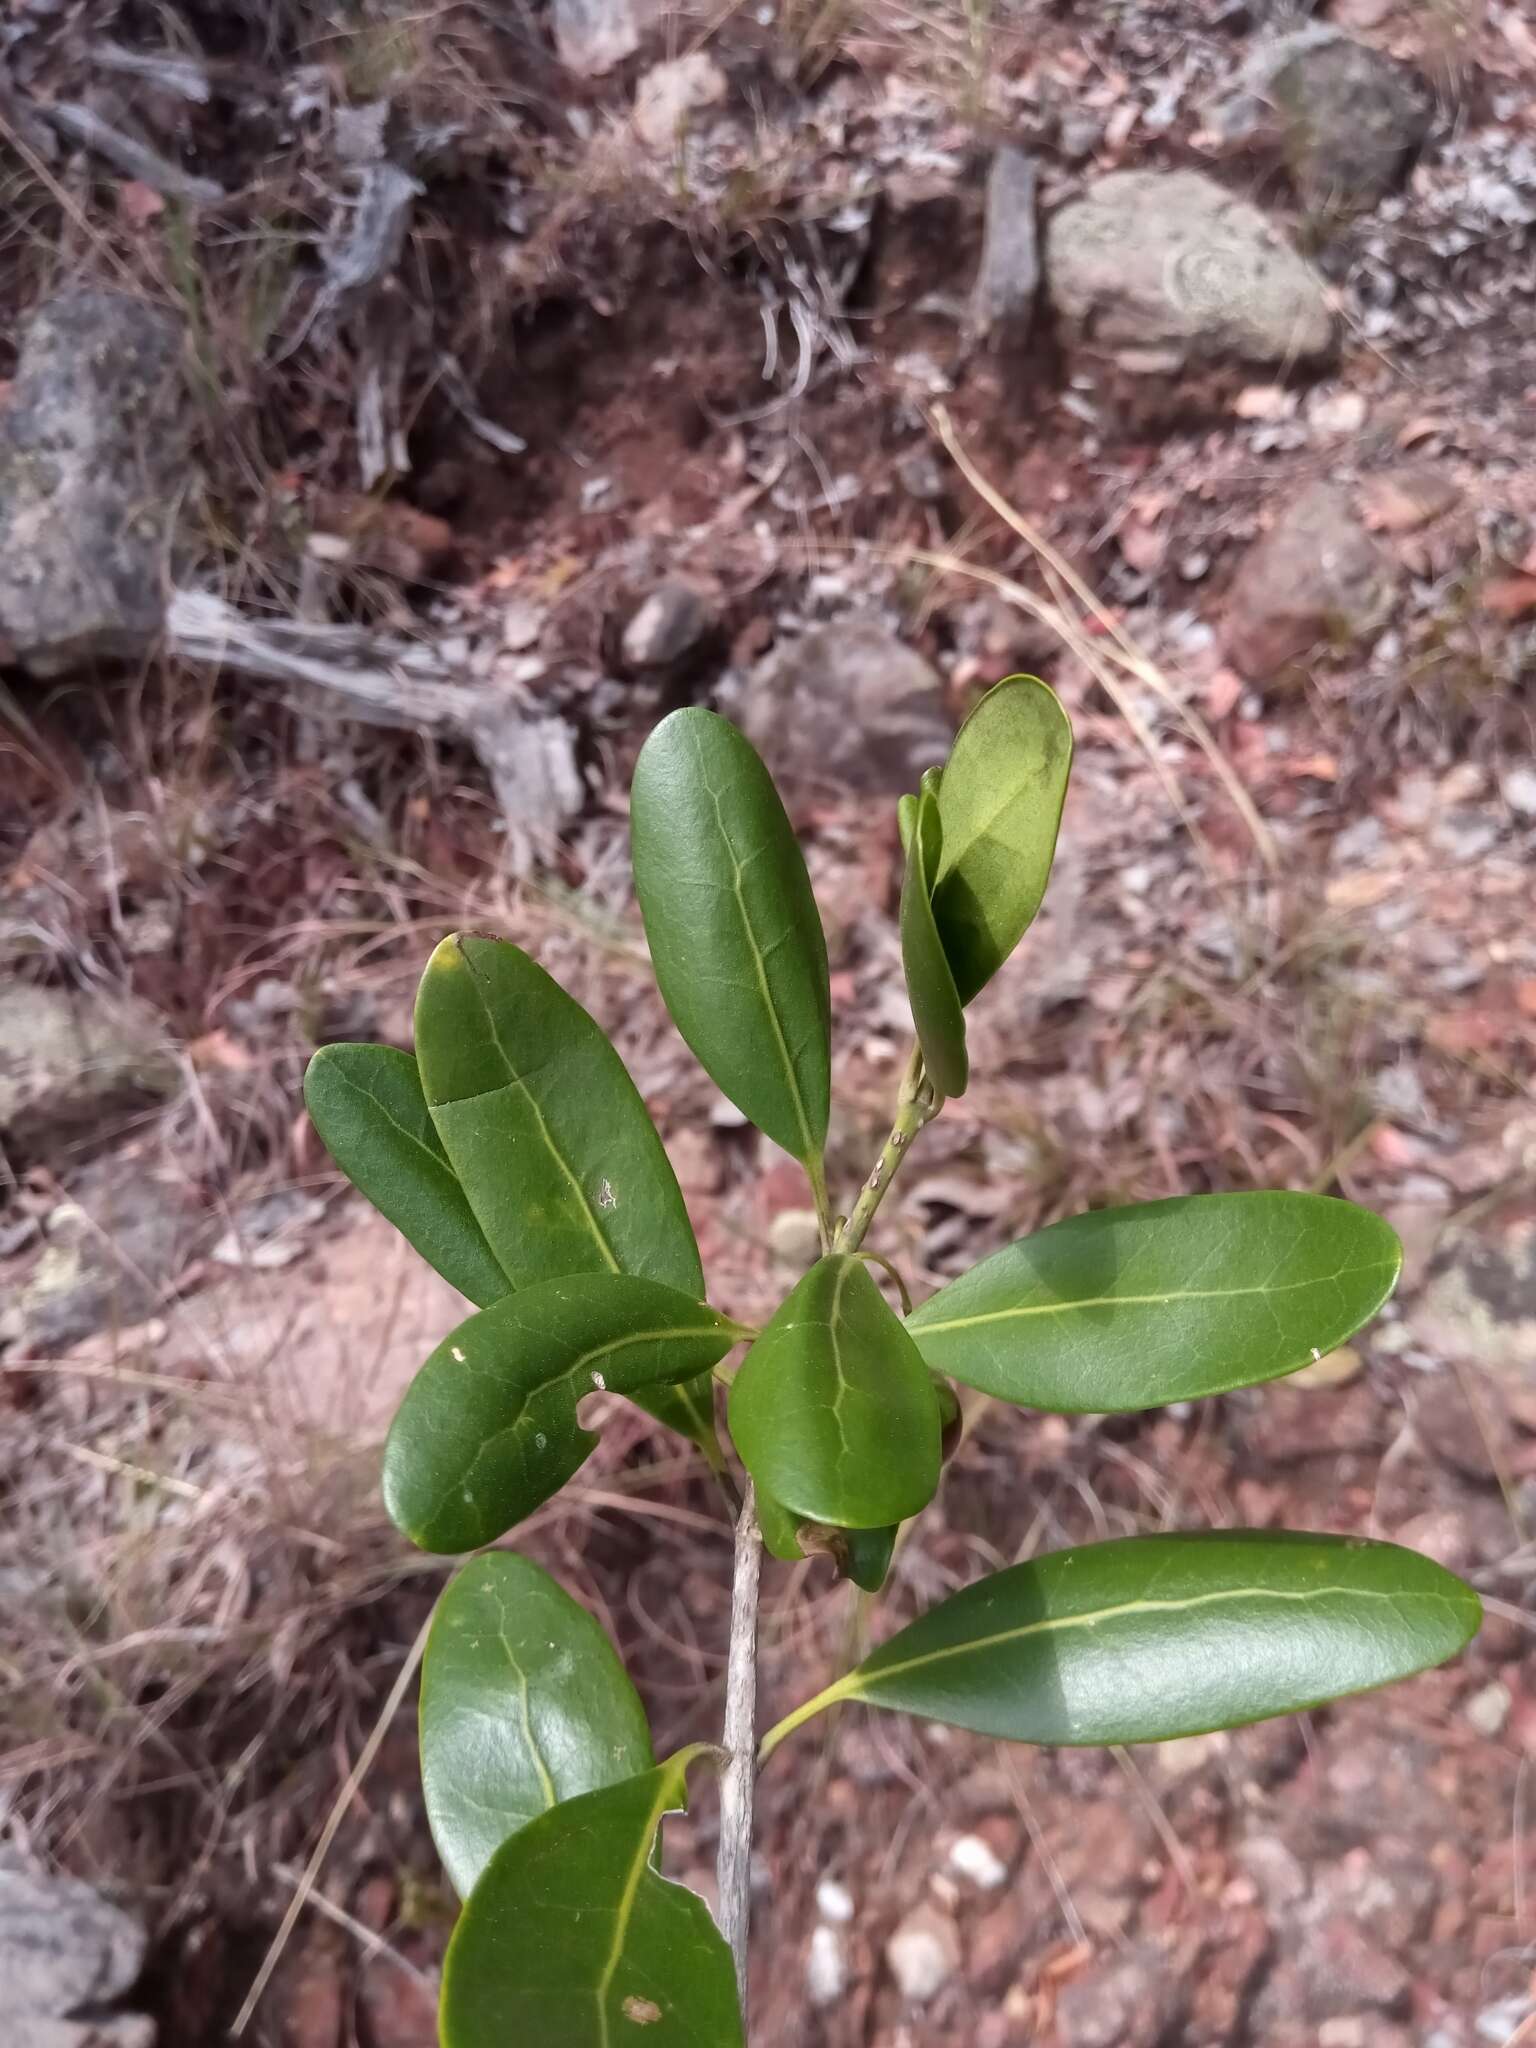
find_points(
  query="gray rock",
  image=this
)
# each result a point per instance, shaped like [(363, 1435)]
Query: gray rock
[(112, 1248), (592, 36), (846, 707), (63, 1947), (122, 2030), (1157, 269), (1352, 118), (70, 1064), (667, 625), (1478, 1306), (923, 1954), (1003, 301), (90, 453), (1131, 2003), (1317, 578)]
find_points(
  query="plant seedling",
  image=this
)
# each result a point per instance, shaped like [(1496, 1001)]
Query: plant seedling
[(515, 1154)]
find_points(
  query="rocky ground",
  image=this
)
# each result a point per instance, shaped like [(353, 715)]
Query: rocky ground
[(405, 407)]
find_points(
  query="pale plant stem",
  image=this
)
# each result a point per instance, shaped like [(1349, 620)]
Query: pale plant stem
[(915, 1104), (738, 1779)]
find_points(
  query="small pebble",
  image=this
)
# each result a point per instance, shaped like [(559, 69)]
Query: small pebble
[(826, 1966), (976, 1859), (834, 1901), (1488, 1709)]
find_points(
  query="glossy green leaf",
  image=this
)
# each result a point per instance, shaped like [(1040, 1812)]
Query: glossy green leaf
[(931, 991), (999, 806), (734, 934), (689, 1409), (366, 1103), (488, 1430), (780, 1530), (543, 1126), (1168, 1301), (833, 1410), (523, 1703), (572, 1939), (869, 1555), (1157, 1636)]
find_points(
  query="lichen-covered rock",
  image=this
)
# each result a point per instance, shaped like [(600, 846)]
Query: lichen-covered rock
[(71, 1063), (1008, 278), (1316, 580), (91, 449), (63, 1947), (1161, 269), (1478, 1306)]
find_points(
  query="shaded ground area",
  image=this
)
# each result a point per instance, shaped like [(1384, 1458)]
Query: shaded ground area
[(583, 392)]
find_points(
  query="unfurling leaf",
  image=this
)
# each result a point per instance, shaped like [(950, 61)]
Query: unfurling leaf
[(523, 1703), (366, 1103), (572, 1939), (833, 1410), (556, 1152), (999, 806), (1168, 1301), (488, 1430), (734, 933), (543, 1126), (1157, 1636), (931, 991)]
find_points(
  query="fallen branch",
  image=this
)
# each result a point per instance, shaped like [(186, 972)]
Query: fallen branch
[(384, 679)]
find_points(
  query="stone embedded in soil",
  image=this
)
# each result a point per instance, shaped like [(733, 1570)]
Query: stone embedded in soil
[(1316, 580), (592, 36), (1478, 1306), (91, 454), (923, 1954), (121, 2030), (63, 1947), (846, 707), (112, 1250), (671, 93), (1352, 118), (71, 1064), (1003, 298), (1343, 1971), (668, 624), (1131, 2002), (826, 1966), (1162, 269)]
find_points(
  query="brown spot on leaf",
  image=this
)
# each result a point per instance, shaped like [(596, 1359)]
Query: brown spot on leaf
[(643, 2011)]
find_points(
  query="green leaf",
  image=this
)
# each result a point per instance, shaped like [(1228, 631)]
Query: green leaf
[(869, 1555), (488, 1430), (780, 1530), (735, 938), (523, 1703), (572, 1939), (1168, 1301), (366, 1103), (931, 989), (1157, 1636), (833, 1411), (689, 1408), (544, 1128), (999, 806)]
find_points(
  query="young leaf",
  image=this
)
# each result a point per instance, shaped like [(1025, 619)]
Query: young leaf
[(833, 1411), (572, 1939), (523, 1703), (1156, 1636), (999, 808), (936, 1009), (544, 1128), (488, 1430), (1167, 1301), (366, 1103), (734, 934), (869, 1555)]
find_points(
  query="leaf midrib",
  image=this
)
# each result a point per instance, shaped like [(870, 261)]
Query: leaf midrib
[(850, 1688), (516, 1080), (1159, 1300), (624, 1909), (759, 962)]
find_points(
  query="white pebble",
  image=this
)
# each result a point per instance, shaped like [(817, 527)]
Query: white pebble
[(974, 1857), (826, 1967), (834, 1901)]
